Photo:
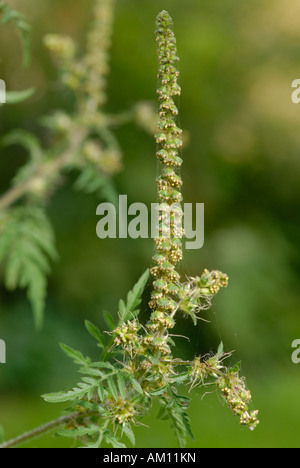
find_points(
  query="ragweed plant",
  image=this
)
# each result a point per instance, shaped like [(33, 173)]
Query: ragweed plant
[(83, 142), (136, 366), (8, 14)]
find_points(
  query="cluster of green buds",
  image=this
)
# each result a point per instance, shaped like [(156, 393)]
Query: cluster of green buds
[(97, 151), (86, 75), (96, 61), (210, 369), (210, 365), (196, 295), (127, 337), (237, 397), (63, 51), (62, 48), (105, 159), (121, 411), (210, 282), (168, 243)]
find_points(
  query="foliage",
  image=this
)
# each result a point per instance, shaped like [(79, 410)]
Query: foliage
[(137, 366), (82, 142), (8, 15)]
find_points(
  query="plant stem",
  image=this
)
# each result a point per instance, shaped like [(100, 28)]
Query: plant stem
[(39, 431), (45, 170)]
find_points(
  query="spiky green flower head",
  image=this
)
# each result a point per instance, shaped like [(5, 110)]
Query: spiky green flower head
[(237, 397), (169, 139)]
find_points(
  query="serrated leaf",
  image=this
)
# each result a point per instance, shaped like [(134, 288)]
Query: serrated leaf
[(187, 424), (24, 29), (122, 308), (134, 298), (162, 414), (79, 431), (110, 321), (95, 332), (136, 385), (92, 180), (77, 356), (82, 390), (27, 140), (101, 392), (26, 249), (159, 391), (236, 368), (112, 388), (129, 434), (103, 364), (180, 378), (91, 371), (121, 385), (57, 397), (113, 441), (220, 349)]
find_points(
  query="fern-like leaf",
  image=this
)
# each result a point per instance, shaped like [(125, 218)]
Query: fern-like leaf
[(26, 248), (10, 15), (92, 180), (129, 310)]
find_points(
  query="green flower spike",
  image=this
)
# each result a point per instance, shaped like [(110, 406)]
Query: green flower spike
[(169, 139)]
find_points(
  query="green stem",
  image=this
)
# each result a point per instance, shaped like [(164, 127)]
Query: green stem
[(45, 170), (39, 431)]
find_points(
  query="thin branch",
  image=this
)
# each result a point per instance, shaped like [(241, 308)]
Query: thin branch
[(39, 431), (45, 170)]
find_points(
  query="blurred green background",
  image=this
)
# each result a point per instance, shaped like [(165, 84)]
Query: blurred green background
[(238, 61)]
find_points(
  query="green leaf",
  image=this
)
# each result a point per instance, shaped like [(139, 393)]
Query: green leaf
[(16, 97), (26, 248), (122, 308), (95, 332), (175, 407), (134, 298), (136, 385), (113, 441), (159, 391), (92, 180), (101, 392), (110, 321), (77, 356), (180, 378), (79, 431), (26, 139), (220, 349), (129, 434), (187, 424), (22, 26), (82, 390), (103, 364), (121, 385), (57, 397), (236, 368), (112, 387)]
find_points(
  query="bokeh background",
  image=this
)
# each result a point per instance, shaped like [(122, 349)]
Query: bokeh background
[(238, 61)]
